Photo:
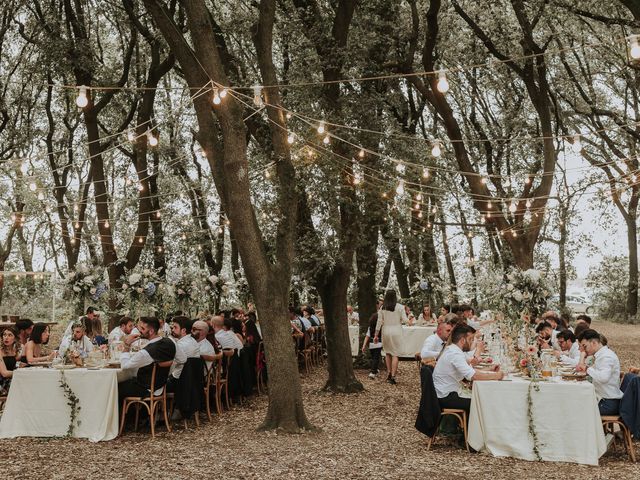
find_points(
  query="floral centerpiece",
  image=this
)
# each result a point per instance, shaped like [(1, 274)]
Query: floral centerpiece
[(86, 282), (138, 290)]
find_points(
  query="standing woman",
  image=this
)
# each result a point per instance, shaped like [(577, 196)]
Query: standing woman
[(390, 319)]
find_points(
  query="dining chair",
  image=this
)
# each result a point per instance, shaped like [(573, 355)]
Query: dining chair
[(609, 422), (151, 402), (461, 417)]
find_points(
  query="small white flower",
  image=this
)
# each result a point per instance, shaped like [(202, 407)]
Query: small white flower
[(76, 289), (207, 288), (146, 271), (125, 286), (517, 296), (134, 278), (213, 279), (92, 291)]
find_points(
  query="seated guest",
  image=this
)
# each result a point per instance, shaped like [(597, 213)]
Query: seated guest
[(569, 349), (411, 319), (304, 319), (296, 324), (158, 349), (33, 350), (124, 328), (225, 337), (199, 331), (543, 338), (186, 347), (24, 327), (165, 329), (78, 342), (315, 321), (605, 372), (452, 368), (580, 327), (584, 318), (470, 318), (434, 344), (9, 357), (252, 332), (444, 310), (426, 317)]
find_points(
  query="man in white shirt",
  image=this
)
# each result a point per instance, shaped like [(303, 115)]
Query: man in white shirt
[(186, 347), (77, 341), (124, 328), (569, 352), (452, 368), (434, 344), (225, 337), (605, 372), (468, 313), (353, 317), (199, 331)]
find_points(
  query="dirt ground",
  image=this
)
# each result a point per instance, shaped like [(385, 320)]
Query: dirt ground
[(368, 435)]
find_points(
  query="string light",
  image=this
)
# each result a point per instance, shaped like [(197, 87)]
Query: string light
[(223, 93), (425, 172), (82, 100), (400, 168), (634, 47), (443, 84), (140, 240), (159, 249), (106, 224), (131, 136), (513, 207), (153, 140), (141, 187), (419, 197), (483, 180), (291, 138), (77, 225), (257, 96), (321, 127), (73, 241), (436, 150), (528, 203), (361, 153), (400, 188), (158, 214), (216, 97), (288, 116), (326, 140), (33, 187)]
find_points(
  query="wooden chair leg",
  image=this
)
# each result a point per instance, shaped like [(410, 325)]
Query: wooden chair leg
[(166, 416), (464, 430), (628, 443), (125, 407), (207, 398), (152, 416), (226, 395), (135, 425)]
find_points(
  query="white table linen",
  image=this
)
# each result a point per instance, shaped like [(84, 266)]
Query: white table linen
[(36, 405), (413, 338), (565, 415)]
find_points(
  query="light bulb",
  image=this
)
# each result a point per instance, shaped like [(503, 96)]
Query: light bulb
[(257, 96), (436, 150), (158, 214), (528, 203), (140, 240), (82, 100), (291, 138), (634, 48), (140, 187), (223, 93), (420, 216), (443, 84), (219, 230), (400, 168), (527, 180), (216, 97), (131, 136), (159, 249), (153, 140), (288, 115), (513, 207), (184, 237), (400, 188), (326, 140), (483, 180), (106, 224), (425, 173), (419, 197), (576, 146), (384, 194), (489, 205), (416, 206), (33, 187), (267, 174), (77, 225), (514, 234), (40, 195), (73, 241), (24, 168), (361, 153), (321, 128), (434, 209)]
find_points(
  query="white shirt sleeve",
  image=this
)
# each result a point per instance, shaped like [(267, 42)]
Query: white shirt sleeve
[(460, 364), (431, 347), (602, 370), (135, 360)]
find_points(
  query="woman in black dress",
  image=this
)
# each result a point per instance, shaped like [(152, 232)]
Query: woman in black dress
[(8, 359)]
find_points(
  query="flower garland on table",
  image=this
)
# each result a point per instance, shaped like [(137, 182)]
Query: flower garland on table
[(533, 385), (74, 404)]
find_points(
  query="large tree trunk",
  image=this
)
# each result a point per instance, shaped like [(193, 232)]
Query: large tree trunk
[(334, 304), (632, 287), (367, 262), (453, 285)]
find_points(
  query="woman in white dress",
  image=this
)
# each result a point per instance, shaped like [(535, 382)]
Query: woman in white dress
[(390, 319)]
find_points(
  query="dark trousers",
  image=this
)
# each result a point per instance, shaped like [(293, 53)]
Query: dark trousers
[(454, 401), (375, 353), (609, 406), (130, 388)]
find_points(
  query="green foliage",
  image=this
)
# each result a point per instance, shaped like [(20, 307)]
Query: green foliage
[(608, 282)]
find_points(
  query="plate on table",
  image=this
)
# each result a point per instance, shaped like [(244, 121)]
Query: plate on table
[(580, 376), (40, 364), (64, 367)]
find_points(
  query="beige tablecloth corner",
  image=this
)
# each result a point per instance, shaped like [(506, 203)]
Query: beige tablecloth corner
[(565, 414), (37, 407)]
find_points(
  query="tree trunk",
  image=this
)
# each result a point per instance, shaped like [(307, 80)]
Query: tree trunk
[(447, 256), (334, 305), (367, 263), (386, 272), (632, 287)]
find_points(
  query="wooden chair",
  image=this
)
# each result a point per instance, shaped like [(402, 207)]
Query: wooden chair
[(151, 403), (222, 378), (305, 353), (609, 422), (210, 381), (460, 415)]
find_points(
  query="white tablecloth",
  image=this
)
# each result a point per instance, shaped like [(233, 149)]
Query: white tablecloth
[(37, 407), (565, 415), (413, 338)]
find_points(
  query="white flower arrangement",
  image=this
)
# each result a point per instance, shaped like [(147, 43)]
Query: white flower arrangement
[(86, 281)]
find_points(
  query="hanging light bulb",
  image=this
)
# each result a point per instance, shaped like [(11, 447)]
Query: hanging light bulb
[(152, 139), (576, 146), (634, 47), (73, 241), (183, 236), (425, 172), (159, 249), (443, 83), (400, 188), (416, 206), (288, 116), (514, 234), (489, 205), (291, 138), (257, 96), (82, 100), (141, 187), (33, 187), (216, 97), (158, 214), (40, 195), (321, 127), (527, 180), (219, 230), (361, 153), (400, 168), (483, 180), (384, 194), (434, 210), (77, 225), (131, 136), (420, 216), (326, 140), (419, 197), (267, 174), (513, 207), (528, 203), (106, 224), (436, 149), (223, 93), (24, 168)]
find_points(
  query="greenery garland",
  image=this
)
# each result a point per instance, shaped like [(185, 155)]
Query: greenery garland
[(533, 384), (74, 404)]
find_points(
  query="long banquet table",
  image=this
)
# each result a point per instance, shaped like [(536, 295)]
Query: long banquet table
[(413, 338), (36, 405), (565, 417)]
